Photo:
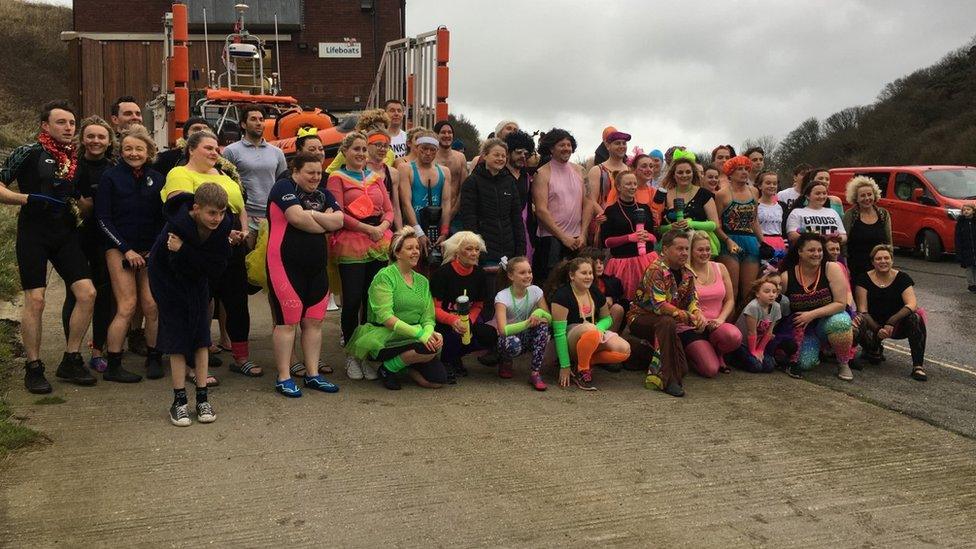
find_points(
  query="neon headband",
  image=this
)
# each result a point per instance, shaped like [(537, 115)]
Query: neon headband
[(378, 138), (427, 140), (302, 132), (679, 154)]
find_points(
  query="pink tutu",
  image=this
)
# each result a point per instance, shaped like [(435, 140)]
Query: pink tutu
[(630, 270)]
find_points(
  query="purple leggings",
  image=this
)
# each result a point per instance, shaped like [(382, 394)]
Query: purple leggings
[(535, 339), (705, 351)]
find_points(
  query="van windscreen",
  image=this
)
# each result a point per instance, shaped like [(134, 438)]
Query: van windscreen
[(959, 183)]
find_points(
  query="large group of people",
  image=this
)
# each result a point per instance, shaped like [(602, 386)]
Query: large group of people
[(659, 262)]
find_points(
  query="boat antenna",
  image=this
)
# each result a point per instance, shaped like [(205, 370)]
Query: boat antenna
[(206, 45), (277, 51)]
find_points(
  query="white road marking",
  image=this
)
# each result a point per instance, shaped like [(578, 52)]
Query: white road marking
[(952, 366)]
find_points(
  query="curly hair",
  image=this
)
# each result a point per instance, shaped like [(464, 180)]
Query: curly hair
[(855, 184), (553, 136), (373, 119), (457, 241), (520, 140), (490, 144), (138, 131)]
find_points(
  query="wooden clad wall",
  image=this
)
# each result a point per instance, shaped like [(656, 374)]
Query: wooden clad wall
[(109, 69)]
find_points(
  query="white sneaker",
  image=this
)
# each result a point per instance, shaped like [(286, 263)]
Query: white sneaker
[(370, 370), (844, 372), (353, 369), (333, 306)]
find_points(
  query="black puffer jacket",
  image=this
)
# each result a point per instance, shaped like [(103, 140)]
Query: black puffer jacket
[(966, 241), (490, 206)]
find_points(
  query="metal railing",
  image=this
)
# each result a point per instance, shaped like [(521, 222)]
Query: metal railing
[(414, 70)]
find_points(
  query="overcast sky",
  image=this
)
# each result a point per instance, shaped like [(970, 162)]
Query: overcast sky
[(695, 73)]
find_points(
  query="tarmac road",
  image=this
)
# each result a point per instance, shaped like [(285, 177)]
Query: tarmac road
[(948, 398), (742, 461)]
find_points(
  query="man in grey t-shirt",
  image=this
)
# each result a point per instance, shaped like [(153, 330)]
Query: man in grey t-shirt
[(259, 164)]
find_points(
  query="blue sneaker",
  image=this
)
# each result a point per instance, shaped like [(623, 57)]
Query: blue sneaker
[(319, 383), (99, 364), (288, 388)]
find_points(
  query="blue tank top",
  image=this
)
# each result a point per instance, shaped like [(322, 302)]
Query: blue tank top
[(420, 194)]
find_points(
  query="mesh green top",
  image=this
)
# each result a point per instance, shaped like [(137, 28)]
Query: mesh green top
[(391, 296)]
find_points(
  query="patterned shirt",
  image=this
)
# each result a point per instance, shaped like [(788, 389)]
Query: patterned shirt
[(660, 292)]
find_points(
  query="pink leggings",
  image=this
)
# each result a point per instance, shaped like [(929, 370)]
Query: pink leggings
[(705, 353)]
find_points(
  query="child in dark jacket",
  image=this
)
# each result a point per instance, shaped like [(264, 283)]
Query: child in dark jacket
[(966, 243), (192, 249)]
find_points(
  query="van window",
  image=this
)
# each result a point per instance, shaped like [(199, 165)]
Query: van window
[(881, 178), (954, 183), (905, 183)]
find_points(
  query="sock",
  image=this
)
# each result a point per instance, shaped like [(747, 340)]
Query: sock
[(240, 352), (114, 359), (585, 348), (179, 397), (201, 394), (395, 364), (609, 357)]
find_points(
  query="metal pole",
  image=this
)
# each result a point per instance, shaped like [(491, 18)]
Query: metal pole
[(277, 51), (206, 45)]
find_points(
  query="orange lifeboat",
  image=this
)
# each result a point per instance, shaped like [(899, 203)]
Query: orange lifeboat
[(289, 122)]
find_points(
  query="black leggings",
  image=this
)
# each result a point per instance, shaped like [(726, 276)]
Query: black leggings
[(355, 278), (912, 327), (230, 289), (432, 370), (104, 299)]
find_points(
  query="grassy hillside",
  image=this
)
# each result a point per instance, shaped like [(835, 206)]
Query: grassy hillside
[(31, 66), (927, 117)]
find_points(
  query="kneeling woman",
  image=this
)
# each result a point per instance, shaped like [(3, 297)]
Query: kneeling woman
[(706, 349), (300, 212), (460, 276), (581, 322), (817, 290), (399, 328), (887, 309)]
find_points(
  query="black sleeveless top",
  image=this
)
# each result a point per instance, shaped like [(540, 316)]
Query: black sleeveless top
[(801, 300)]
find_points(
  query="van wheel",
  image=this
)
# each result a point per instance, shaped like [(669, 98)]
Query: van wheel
[(929, 246)]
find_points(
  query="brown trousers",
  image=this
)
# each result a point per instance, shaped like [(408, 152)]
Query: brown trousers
[(652, 326)]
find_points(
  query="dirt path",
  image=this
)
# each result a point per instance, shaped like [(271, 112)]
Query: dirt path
[(742, 461)]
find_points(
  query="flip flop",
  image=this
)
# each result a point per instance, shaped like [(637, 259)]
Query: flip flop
[(246, 369), (212, 381)]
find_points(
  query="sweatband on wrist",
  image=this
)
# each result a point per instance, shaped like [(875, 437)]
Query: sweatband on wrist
[(418, 230), (604, 324), (425, 333), (407, 330), (562, 345), (516, 327), (542, 314), (445, 229)]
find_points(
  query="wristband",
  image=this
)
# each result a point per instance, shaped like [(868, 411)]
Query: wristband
[(516, 327), (542, 315), (562, 345), (425, 333), (445, 229), (408, 330), (418, 230), (604, 324)]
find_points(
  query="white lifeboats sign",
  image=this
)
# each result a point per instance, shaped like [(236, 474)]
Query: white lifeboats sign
[(340, 49)]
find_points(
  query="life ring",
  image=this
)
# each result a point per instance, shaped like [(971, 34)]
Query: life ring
[(288, 124)]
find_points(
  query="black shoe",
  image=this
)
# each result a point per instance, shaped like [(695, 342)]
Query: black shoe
[(461, 371), (72, 369), (388, 378), (794, 371), (212, 362), (115, 372), (856, 364), (137, 342), (674, 389), (490, 358), (34, 379), (972, 288), (154, 365), (450, 375)]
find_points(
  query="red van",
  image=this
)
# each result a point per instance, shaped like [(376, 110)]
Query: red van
[(924, 202)]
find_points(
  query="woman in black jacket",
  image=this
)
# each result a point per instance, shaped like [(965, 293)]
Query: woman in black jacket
[(490, 205)]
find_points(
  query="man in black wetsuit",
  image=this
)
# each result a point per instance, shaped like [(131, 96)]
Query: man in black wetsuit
[(47, 230)]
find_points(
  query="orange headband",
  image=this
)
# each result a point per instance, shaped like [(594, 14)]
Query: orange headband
[(378, 137)]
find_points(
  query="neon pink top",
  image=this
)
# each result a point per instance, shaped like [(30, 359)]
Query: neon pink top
[(710, 297), (565, 199)]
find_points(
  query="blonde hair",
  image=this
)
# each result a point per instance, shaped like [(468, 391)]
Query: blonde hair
[(856, 183), (490, 144), (456, 242), (373, 119), (399, 238), (95, 120), (349, 139), (699, 235), (138, 131), (415, 131)]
